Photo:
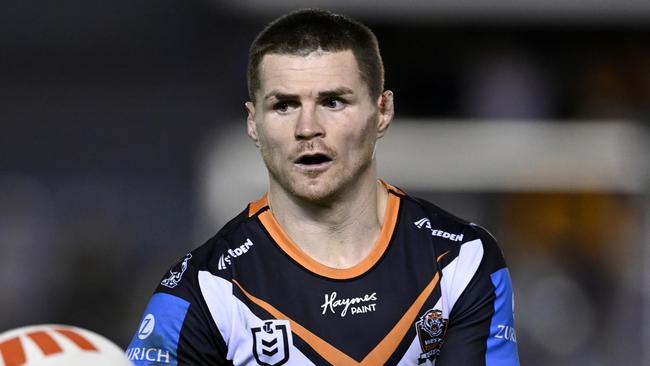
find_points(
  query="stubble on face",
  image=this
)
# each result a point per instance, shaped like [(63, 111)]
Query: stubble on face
[(349, 143), (323, 188)]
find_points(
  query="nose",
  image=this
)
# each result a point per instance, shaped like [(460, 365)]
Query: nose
[(308, 125)]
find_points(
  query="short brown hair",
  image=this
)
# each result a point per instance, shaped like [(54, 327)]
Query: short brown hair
[(304, 31)]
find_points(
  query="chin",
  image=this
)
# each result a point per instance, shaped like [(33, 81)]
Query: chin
[(317, 192)]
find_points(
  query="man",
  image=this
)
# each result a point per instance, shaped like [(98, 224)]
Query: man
[(332, 265)]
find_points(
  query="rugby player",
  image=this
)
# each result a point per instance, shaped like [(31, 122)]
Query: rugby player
[(331, 265)]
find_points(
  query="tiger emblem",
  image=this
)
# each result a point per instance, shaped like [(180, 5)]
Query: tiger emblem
[(431, 328), (433, 323)]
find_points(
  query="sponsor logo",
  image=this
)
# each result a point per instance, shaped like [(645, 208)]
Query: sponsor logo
[(424, 222), (175, 276), (146, 327), (148, 354), (226, 258), (156, 341), (431, 328), (506, 332), (356, 305), (271, 342)]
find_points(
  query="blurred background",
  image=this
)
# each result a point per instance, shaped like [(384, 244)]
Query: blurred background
[(122, 147)]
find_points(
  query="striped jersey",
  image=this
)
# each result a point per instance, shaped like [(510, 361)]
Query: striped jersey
[(435, 290)]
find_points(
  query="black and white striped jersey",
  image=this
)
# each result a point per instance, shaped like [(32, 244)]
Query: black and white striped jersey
[(434, 290)]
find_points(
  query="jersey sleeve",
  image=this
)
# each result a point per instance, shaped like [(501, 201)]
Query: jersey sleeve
[(177, 328), (481, 328)]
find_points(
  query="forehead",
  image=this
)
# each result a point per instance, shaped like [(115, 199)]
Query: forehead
[(317, 71)]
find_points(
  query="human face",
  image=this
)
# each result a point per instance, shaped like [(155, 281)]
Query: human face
[(316, 124)]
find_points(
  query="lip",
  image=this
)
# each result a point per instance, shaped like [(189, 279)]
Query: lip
[(313, 162), (313, 168)]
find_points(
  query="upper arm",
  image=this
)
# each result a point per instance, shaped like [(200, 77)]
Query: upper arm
[(481, 321), (176, 327)]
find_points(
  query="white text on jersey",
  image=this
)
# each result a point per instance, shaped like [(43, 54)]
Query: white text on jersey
[(148, 354), (331, 303), (424, 222), (506, 332), (226, 258)]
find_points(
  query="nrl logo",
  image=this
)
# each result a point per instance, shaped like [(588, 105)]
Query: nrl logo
[(271, 342), (431, 330), (175, 276)]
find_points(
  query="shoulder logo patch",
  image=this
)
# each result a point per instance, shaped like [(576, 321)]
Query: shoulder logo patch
[(156, 341), (147, 326), (271, 342), (176, 275), (431, 329), (426, 223), (226, 258)]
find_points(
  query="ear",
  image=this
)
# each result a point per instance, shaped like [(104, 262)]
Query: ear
[(251, 125), (386, 112)]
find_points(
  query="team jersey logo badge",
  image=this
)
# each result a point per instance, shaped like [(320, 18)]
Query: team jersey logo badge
[(271, 342), (175, 276), (431, 329)]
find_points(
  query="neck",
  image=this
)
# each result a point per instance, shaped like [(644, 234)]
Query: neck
[(340, 233)]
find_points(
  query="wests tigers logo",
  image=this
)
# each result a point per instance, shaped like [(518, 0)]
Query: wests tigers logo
[(431, 329)]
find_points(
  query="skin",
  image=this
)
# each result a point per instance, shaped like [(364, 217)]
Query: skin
[(317, 106)]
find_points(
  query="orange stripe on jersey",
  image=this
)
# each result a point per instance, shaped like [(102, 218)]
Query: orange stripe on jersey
[(391, 187), (254, 207), (293, 250), (380, 354), (12, 352), (330, 353), (45, 342), (78, 339)]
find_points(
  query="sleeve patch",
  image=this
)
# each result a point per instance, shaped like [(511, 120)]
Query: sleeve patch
[(156, 341), (502, 343)]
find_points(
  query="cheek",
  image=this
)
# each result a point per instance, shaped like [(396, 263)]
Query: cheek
[(360, 146), (271, 148)]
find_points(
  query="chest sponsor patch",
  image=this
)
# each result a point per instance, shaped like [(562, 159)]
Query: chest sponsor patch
[(351, 305)]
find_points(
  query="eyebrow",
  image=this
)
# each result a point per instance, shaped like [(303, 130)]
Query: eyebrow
[(321, 95)]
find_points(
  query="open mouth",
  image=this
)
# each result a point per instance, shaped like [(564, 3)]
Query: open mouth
[(313, 159)]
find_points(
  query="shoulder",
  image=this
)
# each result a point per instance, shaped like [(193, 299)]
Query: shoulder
[(212, 256), (230, 237), (459, 237), (426, 215)]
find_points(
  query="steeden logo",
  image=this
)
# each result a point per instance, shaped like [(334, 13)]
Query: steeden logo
[(226, 258), (425, 222)]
